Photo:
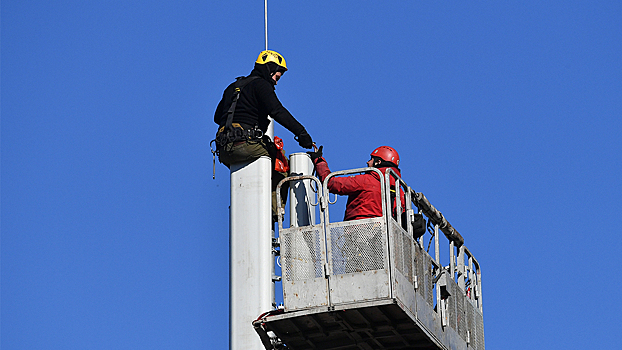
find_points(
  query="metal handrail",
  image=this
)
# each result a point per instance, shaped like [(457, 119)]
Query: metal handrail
[(353, 171), (475, 276), (281, 210), (463, 274), (438, 219), (390, 173), (440, 224)]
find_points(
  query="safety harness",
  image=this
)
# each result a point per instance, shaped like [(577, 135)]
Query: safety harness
[(234, 132)]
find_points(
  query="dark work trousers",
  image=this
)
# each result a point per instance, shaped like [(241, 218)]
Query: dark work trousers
[(248, 151)]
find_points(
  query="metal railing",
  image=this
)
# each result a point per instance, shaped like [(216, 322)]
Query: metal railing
[(342, 262)]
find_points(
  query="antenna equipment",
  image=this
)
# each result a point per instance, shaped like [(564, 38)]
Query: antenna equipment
[(266, 21)]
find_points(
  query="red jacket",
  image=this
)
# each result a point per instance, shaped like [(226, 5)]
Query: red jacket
[(363, 191)]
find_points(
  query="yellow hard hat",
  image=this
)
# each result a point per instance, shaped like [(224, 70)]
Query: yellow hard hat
[(271, 56)]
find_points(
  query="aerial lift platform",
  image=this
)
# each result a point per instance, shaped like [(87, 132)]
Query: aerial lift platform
[(370, 283)]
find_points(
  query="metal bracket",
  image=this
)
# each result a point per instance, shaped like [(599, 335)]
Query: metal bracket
[(276, 243), (438, 277), (443, 307), (411, 215)]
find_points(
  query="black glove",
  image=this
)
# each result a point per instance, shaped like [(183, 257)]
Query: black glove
[(315, 155), (304, 140)]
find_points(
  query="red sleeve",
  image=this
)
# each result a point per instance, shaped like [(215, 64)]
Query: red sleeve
[(322, 168), (340, 185), (347, 185)]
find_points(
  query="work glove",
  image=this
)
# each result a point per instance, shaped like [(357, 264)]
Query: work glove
[(304, 140), (316, 157)]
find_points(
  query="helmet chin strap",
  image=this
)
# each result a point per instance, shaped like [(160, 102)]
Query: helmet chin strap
[(380, 163)]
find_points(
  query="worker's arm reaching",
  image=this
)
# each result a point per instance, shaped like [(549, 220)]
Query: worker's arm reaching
[(364, 190), (339, 185)]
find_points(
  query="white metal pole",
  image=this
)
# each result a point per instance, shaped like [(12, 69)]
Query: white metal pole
[(301, 212), (250, 269)]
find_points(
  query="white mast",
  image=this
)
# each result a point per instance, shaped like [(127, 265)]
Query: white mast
[(301, 212), (251, 290), (250, 248)]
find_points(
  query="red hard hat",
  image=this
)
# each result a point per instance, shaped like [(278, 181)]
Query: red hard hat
[(387, 154)]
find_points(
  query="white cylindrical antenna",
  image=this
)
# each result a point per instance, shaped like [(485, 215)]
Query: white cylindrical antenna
[(301, 212), (251, 290), (250, 248)]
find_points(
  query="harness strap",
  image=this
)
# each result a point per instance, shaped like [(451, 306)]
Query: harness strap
[(239, 84), (231, 131), (237, 133)]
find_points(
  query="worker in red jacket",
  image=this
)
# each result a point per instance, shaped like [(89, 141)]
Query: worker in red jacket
[(361, 249), (363, 191)]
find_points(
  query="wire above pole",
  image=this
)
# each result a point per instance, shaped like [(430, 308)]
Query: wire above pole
[(266, 21), (270, 131)]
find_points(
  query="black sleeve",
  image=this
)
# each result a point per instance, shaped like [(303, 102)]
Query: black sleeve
[(220, 110), (275, 109), (218, 113)]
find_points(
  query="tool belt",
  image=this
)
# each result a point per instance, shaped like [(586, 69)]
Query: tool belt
[(237, 133)]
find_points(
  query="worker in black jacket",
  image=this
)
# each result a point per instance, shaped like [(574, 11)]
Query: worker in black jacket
[(256, 101), (242, 115)]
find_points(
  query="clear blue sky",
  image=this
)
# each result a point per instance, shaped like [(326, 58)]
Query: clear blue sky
[(506, 114)]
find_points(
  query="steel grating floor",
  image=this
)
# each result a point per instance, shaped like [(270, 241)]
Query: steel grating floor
[(372, 325)]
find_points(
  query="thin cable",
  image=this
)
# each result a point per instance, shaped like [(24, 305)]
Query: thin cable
[(270, 131), (266, 21)]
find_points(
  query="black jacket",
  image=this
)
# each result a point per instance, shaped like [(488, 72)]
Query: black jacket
[(257, 101)]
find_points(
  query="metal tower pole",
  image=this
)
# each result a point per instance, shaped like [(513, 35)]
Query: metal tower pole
[(250, 247), (251, 290), (301, 212)]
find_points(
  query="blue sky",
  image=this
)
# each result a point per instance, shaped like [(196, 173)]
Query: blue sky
[(114, 235)]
